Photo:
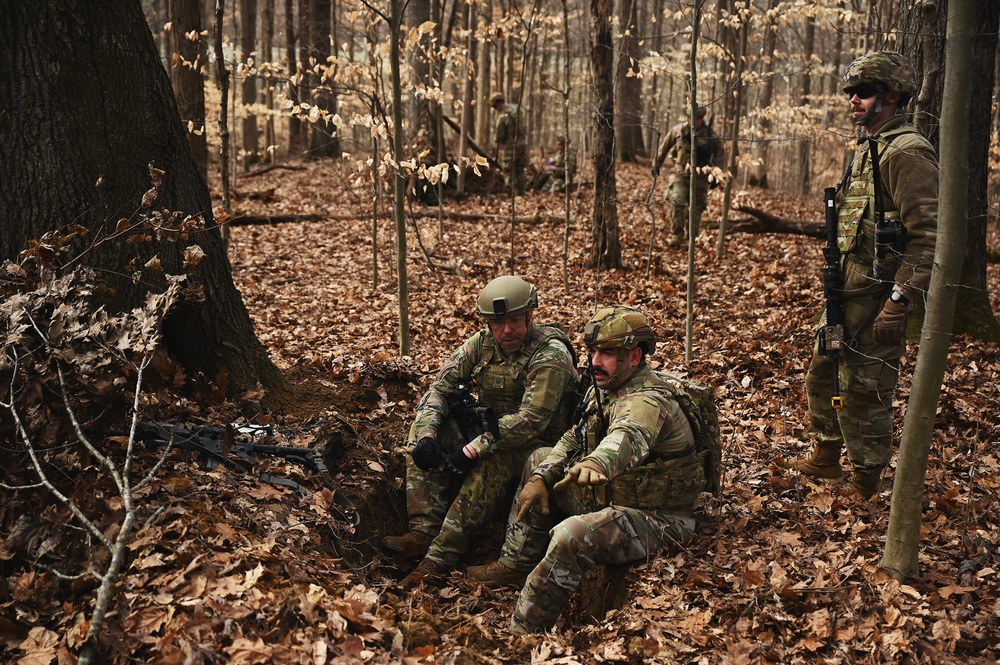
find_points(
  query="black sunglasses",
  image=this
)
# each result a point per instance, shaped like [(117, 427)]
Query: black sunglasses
[(863, 91)]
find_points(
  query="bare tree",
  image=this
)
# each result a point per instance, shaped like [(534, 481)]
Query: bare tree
[(902, 541)]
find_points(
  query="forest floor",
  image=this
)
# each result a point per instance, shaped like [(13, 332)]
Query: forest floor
[(226, 569)]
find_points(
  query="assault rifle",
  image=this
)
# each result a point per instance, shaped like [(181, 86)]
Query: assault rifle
[(238, 452), (472, 418), (831, 336)]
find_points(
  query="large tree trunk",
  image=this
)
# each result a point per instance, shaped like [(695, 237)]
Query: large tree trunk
[(902, 542), (88, 102), (325, 142), (295, 128), (922, 43), (629, 96), (606, 251), (248, 88), (187, 57)]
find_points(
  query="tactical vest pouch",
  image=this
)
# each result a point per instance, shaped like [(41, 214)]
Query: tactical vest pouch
[(663, 485)]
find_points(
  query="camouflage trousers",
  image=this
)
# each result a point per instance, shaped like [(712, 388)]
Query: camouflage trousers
[(455, 512), (560, 547), (513, 161), (868, 373), (678, 194)]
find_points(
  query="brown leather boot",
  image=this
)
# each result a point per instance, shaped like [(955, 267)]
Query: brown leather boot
[(426, 572), (863, 484), (413, 545), (496, 574), (823, 464)]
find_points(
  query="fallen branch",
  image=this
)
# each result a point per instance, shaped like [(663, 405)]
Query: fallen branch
[(245, 220), (762, 222), (269, 168)]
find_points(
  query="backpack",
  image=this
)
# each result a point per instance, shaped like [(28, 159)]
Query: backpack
[(697, 401)]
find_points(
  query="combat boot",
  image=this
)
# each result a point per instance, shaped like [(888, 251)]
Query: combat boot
[(823, 464), (496, 574), (863, 484), (427, 571), (413, 545)]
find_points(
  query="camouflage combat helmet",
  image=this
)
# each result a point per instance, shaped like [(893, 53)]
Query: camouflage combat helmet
[(619, 327), (496, 98), (506, 296), (884, 67), (700, 111)]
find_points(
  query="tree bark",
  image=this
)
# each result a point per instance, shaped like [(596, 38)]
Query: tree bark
[(248, 87), (902, 542), (325, 142), (606, 251), (94, 105), (629, 95), (187, 58), (975, 315)]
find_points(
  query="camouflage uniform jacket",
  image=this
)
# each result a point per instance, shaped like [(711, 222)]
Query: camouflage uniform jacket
[(510, 127), (563, 166), (677, 145), (528, 388), (908, 167), (644, 443)]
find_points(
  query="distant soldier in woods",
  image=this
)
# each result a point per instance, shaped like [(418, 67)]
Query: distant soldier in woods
[(709, 152), (559, 168), (512, 141), (525, 373), (880, 281), (618, 486)]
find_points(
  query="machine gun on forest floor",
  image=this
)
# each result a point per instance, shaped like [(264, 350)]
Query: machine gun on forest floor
[(236, 449)]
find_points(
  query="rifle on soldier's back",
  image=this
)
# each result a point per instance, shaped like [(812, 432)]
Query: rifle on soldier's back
[(220, 446)]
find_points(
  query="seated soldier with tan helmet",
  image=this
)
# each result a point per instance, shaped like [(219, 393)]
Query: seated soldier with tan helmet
[(457, 475)]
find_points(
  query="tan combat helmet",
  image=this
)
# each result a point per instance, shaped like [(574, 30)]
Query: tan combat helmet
[(496, 98), (506, 295), (619, 327)]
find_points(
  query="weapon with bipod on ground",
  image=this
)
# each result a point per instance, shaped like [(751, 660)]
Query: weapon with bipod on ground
[(222, 446)]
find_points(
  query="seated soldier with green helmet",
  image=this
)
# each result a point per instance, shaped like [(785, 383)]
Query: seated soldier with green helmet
[(526, 375), (619, 485)]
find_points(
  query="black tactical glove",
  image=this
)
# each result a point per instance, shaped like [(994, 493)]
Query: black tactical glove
[(427, 454), (458, 464)]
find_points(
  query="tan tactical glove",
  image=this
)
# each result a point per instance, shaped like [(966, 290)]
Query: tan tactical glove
[(586, 472), (890, 324), (534, 491)]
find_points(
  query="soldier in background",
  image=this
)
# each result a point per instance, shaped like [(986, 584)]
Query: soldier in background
[(525, 372), (709, 152), (877, 294), (559, 169), (616, 487), (512, 141)]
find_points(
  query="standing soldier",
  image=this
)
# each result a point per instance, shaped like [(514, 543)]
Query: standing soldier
[(526, 374), (709, 152), (634, 477), (512, 141), (881, 282), (560, 168)]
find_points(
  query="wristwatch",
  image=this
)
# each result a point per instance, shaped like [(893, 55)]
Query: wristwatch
[(898, 297)]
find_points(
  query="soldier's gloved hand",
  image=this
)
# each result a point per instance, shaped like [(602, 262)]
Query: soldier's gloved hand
[(890, 324), (427, 454), (533, 492), (656, 171), (458, 464), (586, 472)]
